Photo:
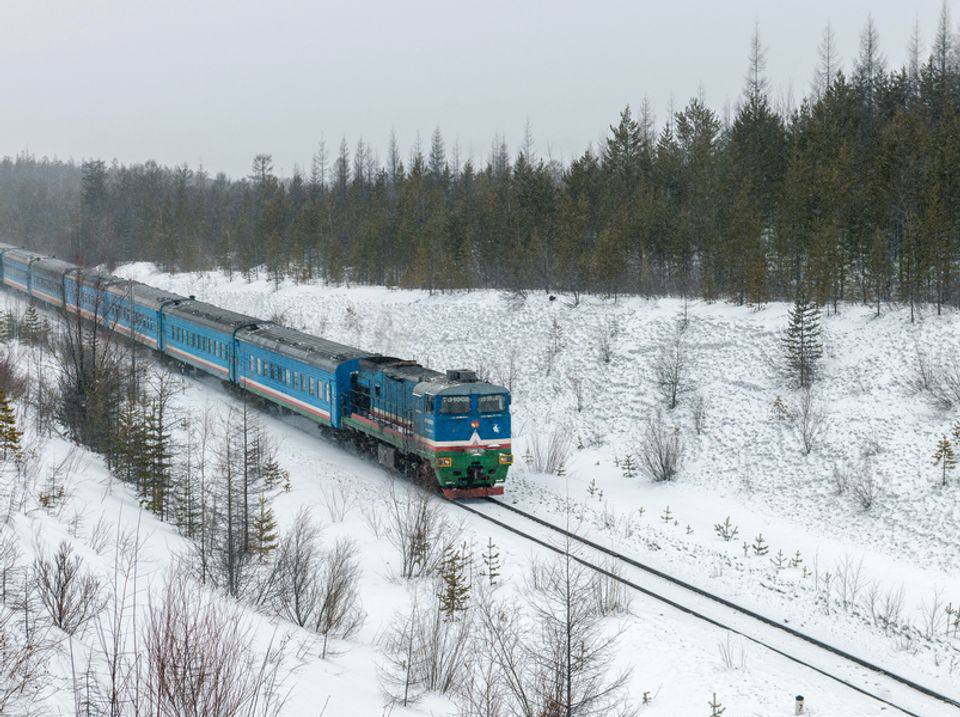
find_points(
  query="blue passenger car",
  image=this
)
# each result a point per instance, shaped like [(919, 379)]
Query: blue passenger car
[(46, 279), (98, 296), (304, 373), (147, 313), (16, 268), (203, 336)]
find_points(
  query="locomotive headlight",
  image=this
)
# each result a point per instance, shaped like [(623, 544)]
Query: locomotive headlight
[(444, 462), (506, 459)]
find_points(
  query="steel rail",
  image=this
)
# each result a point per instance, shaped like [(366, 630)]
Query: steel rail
[(926, 691)]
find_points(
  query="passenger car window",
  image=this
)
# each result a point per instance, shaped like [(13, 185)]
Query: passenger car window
[(490, 404), (455, 404)]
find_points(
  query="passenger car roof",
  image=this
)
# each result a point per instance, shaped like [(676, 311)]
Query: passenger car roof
[(298, 345), (211, 316)]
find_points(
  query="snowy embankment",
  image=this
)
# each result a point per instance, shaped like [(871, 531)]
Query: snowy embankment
[(63, 493), (743, 462), (877, 433)]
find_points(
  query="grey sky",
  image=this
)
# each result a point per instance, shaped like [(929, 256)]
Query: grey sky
[(217, 82)]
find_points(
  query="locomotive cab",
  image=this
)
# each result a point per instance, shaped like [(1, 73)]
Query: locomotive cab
[(466, 423)]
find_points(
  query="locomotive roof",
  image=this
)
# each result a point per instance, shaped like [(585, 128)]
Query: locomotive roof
[(296, 344), (403, 370), (211, 316), (443, 387)]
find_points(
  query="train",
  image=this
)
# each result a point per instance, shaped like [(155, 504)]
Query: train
[(446, 429)]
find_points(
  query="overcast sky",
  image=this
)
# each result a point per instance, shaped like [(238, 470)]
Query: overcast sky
[(217, 82)]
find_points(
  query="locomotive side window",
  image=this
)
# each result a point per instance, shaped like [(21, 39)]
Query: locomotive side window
[(490, 404), (455, 404)]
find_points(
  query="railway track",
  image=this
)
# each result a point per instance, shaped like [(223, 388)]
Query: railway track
[(852, 671)]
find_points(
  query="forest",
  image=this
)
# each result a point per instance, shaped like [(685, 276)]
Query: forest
[(851, 195)]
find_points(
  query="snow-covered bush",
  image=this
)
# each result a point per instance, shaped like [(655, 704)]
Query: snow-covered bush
[(660, 452)]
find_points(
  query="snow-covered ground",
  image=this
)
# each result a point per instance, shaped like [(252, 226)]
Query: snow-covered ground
[(744, 463)]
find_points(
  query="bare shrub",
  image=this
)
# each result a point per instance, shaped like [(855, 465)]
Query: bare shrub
[(293, 583), (934, 618), (339, 612), (576, 385), (24, 677), (550, 453), (660, 453), (373, 517), (201, 657), (864, 485), (890, 609), (946, 388), (939, 376), (424, 650), (840, 478), (70, 597), (849, 580), (414, 526), (672, 366), (507, 373), (808, 416), (340, 500), (699, 413), (12, 381), (400, 673), (609, 595), (605, 345), (733, 656)]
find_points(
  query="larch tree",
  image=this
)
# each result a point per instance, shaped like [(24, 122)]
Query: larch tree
[(945, 457)]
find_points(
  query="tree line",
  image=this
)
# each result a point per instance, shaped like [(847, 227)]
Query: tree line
[(852, 195)]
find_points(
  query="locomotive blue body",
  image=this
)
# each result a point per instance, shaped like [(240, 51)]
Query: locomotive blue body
[(447, 428)]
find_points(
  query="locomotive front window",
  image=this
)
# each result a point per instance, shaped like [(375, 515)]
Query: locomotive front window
[(455, 404), (490, 404)]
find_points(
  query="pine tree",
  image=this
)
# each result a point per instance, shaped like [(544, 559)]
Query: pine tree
[(454, 591), (802, 343), (156, 481), (945, 457), (31, 328), (629, 466), (265, 537), (8, 326), (128, 454), (716, 708), (491, 562), (10, 435)]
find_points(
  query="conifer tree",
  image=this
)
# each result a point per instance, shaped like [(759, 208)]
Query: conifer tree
[(945, 457), (265, 536), (158, 454), (31, 329), (10, 435), (491, 562), (454, 591), (802, 343), (8, 326)]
